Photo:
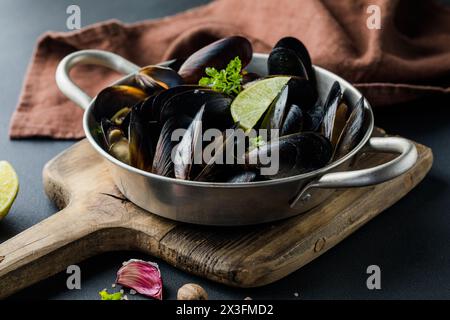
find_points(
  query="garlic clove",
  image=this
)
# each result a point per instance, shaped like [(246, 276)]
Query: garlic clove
[(142, 276), (191, 291)]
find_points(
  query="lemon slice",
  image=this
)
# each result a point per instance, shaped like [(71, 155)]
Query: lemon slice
[(9, 186), (248, 107)]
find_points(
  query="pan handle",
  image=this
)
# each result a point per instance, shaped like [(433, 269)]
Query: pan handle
[(370, 176), (94, 57)]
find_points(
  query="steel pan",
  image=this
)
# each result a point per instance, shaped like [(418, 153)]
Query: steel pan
[(242, 203)]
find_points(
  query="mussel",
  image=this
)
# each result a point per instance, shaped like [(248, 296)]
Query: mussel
[(221, 147), (284, 61), (330, 107), (112, 99), (290, 57), (141, 140), (163, 96), (312, 119), (291, 155), (284, 113), (189, 151), (162, 161), (217, 54), (276, 113), (352, 132), (293, 122), (189, 103), (340, 120), (297, 47), (156, 78)]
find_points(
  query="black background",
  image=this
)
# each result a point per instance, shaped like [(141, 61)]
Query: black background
[(410, 241)]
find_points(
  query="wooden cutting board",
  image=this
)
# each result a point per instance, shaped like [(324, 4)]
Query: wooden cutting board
[(95, 218)]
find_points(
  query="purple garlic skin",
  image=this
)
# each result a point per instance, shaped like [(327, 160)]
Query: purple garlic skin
[(142, 276)]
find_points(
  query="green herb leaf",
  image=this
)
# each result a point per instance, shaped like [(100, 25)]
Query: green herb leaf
[(104, 295), (257, 142), (226, 80)]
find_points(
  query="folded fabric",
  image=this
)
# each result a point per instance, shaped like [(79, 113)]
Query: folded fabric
[(406, 59)]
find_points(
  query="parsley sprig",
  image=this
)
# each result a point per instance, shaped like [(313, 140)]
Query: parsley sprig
[(226, 80), (104, 295)]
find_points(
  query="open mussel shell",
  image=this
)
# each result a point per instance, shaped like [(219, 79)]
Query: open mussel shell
[(115, 141), (112, 99), (217, 55), (300, 50), (155, 78), (330, 108), (188, 152), (106, 125), (162, 161), (141, 135), (292, 155), (189, 103), (121, 119), (352, 131)]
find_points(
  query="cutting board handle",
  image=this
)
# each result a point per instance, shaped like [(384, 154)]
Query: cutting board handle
[(26, 258), (67, 237)]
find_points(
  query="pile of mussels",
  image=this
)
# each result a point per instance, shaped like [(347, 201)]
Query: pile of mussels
[(136, 120)]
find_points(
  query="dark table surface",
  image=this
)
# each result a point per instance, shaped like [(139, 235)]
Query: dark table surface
[(410, 241)]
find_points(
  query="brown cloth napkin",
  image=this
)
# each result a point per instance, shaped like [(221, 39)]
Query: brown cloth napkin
[(408, 58)]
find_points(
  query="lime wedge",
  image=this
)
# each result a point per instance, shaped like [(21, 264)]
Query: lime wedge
[(248, 107), (9, 186)]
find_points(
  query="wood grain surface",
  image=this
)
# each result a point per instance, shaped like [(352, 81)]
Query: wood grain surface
[(95, 218)]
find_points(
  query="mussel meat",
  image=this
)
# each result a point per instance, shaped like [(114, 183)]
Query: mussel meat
[(115, 140)]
